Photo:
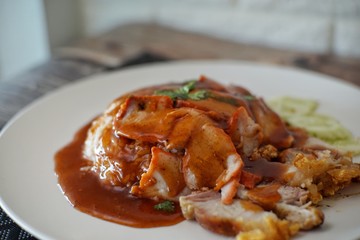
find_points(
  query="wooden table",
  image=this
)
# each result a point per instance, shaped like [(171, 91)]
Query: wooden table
[(138, 42), (124, 44)]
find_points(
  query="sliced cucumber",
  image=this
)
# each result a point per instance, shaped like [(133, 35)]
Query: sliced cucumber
[(320, 126), (348, 145), (302, 113), (288, 106)]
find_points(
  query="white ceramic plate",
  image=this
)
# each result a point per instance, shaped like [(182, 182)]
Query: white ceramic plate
[(28, 186)]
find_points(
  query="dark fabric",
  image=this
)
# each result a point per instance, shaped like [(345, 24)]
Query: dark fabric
[(9, 230)]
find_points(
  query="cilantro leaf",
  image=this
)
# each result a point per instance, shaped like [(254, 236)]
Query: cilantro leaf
[(199, 95), (183, 92), (165, 206), (173, 94), (249, 97), (188, 86)]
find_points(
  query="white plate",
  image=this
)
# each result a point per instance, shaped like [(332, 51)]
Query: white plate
[(28, 186)]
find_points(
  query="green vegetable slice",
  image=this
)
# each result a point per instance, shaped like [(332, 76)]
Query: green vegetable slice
[(288, 106), (166, 206), (320, 126), (199, 95), (302, 113), (348, 145), (183, 92)]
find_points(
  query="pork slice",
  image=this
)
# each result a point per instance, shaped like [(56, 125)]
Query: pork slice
[(144, 118), (242, 218), (163, 178), (211, 159), (306, 217), (274, 129), (293, 195), (266, 196), (245, 133), (295, 208)]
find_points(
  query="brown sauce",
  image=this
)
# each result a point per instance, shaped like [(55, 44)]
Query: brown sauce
[(266, 169), (265, 196), (85, 192)]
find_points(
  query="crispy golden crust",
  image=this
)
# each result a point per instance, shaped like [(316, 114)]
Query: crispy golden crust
[(321, 172), (242, 218)]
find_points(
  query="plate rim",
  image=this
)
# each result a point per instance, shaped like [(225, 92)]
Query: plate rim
[(96, 77)]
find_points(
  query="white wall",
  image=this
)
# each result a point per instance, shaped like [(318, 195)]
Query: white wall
[(64, 21), (23, 36), (320, 26)]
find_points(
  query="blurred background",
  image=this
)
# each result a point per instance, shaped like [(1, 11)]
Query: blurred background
[(45, 44), (31, 31)]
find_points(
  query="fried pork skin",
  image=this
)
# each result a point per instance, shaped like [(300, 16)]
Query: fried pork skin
[(288, 203), (321, 172), (242, 218)]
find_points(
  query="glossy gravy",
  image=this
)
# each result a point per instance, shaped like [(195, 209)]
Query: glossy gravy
[(85, 192)]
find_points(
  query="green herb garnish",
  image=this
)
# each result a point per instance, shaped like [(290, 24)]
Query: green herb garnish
[(249, 97), (184, 92), (166, 206), (188, 86), (199, 95), (173, 94)]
